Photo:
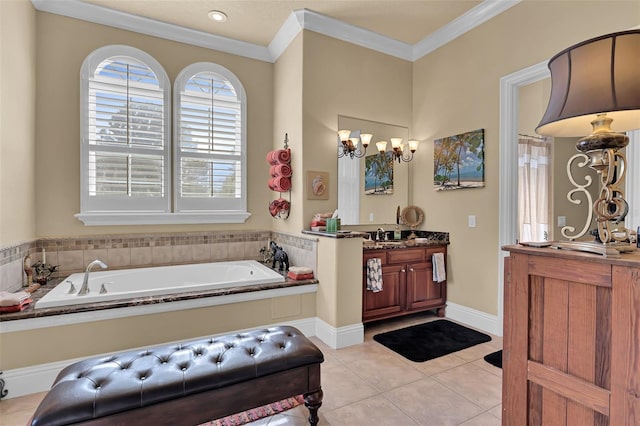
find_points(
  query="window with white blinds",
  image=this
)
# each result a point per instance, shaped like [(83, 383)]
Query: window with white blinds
[(209, 140), (125, 147)]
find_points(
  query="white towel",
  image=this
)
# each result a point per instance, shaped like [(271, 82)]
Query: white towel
[(300, 270), (374, 274), (439, 272), (12, 299)]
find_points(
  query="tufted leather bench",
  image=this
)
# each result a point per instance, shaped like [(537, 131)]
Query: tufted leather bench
[(188, 383)]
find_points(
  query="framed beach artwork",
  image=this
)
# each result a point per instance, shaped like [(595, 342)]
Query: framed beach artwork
[(378, 174), (458, 161)]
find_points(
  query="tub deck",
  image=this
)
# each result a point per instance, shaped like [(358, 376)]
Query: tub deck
[(31, 312)]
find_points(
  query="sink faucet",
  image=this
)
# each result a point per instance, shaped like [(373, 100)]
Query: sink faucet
[(85, 283), (380, 234)]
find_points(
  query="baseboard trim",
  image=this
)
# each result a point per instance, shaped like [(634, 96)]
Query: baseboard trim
[(474, 318), (341, 337)]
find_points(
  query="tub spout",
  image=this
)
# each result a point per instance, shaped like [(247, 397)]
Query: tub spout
[(85, 283)]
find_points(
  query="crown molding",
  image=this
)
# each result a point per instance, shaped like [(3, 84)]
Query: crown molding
[(285, 35), (316, 22), (480, 14), (299, 20), (113, 18)]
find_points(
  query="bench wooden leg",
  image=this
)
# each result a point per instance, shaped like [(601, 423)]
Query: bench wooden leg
[(313, 401)]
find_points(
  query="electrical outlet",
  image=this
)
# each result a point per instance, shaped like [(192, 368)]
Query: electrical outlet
[(370, 217), (562, 221)]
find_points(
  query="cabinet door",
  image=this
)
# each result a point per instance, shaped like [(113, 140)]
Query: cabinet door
[(390, 300), (422, 291)]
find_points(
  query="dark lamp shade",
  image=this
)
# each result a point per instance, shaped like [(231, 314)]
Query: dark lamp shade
[(601, 75)]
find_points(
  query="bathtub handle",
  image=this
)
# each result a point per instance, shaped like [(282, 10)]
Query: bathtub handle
[(72, 288), (103, 289)]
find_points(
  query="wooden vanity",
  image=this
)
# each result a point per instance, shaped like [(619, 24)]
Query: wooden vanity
[(408, 285)]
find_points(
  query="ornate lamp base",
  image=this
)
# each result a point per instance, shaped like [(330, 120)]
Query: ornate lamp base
[(611, 250)]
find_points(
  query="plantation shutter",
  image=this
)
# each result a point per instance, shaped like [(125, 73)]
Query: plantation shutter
[(125, 148), (210, 150)]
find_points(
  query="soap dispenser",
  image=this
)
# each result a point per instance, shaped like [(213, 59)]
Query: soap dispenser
[(396, 233)]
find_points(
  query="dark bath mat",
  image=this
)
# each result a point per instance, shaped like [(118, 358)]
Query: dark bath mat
[(430, 340), (494, 359)]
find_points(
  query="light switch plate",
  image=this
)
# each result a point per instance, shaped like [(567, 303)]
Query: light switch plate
[(472, 221)]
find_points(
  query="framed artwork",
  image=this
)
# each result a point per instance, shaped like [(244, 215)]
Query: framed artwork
[(317, 185), (378, 174), (458, 161)]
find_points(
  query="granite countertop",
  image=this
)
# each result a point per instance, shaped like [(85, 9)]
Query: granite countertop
[(31, 312), (400, 244)]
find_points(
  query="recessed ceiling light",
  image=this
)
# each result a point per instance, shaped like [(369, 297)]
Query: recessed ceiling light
[(217, 16)]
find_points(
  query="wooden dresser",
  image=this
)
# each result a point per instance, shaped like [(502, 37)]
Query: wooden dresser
[(408, 285), (571, 338)]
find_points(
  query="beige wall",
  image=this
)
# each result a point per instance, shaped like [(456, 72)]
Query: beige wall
[(341, 78), (17, 121), (456, 89), (287, 116), (63, 44)]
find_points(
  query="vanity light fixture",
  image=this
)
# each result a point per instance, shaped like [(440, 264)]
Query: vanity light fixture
[(595, 86), (217, 15), (399, 149), (354, 147)]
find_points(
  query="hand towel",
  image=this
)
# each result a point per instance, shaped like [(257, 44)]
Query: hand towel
[(439, 272), (374, 274), (295, 276), (279, 156), (280, 170), (12, 299), (16, 308), (280, 184)]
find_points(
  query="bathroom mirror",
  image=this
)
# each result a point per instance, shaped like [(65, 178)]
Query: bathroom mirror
[(412, 216), (358, 204)]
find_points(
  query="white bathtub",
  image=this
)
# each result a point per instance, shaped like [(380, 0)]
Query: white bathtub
[(160, 280)]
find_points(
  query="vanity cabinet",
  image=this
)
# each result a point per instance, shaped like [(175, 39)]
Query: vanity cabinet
[(408, 286), (571, 353)]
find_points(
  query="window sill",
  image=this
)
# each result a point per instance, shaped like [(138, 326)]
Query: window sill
[(147, 218)]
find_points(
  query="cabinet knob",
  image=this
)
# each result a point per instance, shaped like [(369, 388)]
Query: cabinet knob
[(402, 270), (411, 269)]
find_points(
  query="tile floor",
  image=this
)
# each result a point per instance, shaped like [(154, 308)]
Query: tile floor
[(369, 384)]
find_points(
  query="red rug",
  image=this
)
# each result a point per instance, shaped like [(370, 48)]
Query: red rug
[(257, 413)]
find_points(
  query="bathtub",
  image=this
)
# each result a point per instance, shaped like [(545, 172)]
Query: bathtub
[(157, 281)]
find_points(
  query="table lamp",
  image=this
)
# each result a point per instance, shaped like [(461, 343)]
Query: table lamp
[(595, 88)]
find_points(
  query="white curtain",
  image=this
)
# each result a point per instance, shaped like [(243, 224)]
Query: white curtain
[(533, 189)]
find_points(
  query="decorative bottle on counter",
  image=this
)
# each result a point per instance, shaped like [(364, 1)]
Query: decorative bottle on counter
[(397, 235)]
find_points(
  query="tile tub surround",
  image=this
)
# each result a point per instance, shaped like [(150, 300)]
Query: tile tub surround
[(131, 251)]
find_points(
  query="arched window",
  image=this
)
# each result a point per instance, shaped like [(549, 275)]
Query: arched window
[(125, 130), (210, 142), (127, 173)]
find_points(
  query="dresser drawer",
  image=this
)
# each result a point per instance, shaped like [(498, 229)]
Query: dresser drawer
[(406, 255)]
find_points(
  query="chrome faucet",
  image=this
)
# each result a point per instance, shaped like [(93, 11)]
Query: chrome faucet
[(380, 234), (85, 283)]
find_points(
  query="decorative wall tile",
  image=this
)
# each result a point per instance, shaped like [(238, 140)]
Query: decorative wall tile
[(141, 256), (71, 261), (201, 252), (94, 254), (236, 251), (119, 257), (219, 251), (122, 251), (161, 255)]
